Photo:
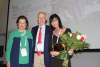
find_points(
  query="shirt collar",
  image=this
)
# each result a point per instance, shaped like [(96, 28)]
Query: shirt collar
[(43, 27)]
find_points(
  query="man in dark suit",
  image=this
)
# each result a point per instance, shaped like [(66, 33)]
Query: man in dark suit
[(41, 55)]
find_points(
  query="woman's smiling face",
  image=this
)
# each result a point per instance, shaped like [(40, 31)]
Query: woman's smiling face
[(22, 24), (55, 23)]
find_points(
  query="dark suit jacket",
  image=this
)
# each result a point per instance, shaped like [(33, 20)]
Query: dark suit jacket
[(46, 44)]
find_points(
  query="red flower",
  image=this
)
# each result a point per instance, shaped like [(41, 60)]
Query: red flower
[(82, 38), (73, 34)]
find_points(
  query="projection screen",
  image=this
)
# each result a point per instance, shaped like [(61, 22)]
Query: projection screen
[(82, 15)]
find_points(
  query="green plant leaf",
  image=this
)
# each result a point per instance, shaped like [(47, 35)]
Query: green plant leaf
[(64, 55)]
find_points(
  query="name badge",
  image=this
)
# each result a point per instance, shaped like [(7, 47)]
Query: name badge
[(40, 47), (53, 56), (23, 52)]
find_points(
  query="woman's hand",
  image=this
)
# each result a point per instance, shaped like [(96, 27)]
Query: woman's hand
[(71, 52), (8, 63), (55, 53)]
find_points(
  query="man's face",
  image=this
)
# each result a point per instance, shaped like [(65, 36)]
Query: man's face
[(41, 18)]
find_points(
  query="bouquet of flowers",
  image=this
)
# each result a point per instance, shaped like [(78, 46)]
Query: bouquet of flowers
[(74, 41)]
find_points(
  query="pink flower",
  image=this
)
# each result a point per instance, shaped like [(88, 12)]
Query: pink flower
[(82, 38), (73, 34)]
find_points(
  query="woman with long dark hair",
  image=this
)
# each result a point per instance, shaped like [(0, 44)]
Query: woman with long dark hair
[(57, 28)]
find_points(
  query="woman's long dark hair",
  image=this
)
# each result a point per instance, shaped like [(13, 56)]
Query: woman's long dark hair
[(51, 19)]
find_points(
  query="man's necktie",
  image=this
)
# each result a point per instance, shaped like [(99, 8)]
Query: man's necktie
[(39, 41)]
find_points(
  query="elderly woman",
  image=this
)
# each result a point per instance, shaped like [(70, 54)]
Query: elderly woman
[(57, 28), (19, 46)]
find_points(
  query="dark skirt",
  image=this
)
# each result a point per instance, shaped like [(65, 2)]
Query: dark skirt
[(57, 62), (20, 65)]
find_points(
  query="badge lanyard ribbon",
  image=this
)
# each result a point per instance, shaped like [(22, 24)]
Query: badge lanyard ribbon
[(56, 41), (25, 38), (57, 37)]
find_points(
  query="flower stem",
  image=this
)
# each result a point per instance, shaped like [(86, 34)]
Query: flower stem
[(65, 62)]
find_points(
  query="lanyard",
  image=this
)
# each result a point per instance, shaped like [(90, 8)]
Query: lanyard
[(57, 37), (23, 33), (25, 38), (25, 42)]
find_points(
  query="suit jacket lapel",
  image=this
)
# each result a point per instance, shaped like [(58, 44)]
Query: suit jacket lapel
[(35, 35), (46, 34)]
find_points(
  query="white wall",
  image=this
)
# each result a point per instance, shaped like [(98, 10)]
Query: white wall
[(85, 59), (3, 22), (3, 15)]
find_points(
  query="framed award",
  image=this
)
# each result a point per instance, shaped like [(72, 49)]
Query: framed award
[(59, 47)]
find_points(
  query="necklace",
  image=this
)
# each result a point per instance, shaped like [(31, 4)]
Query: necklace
[(23, 33)]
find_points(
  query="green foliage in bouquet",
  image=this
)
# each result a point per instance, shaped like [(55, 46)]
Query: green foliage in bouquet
[(72, 41)]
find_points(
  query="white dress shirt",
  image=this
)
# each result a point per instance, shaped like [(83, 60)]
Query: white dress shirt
[(42, 38)]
